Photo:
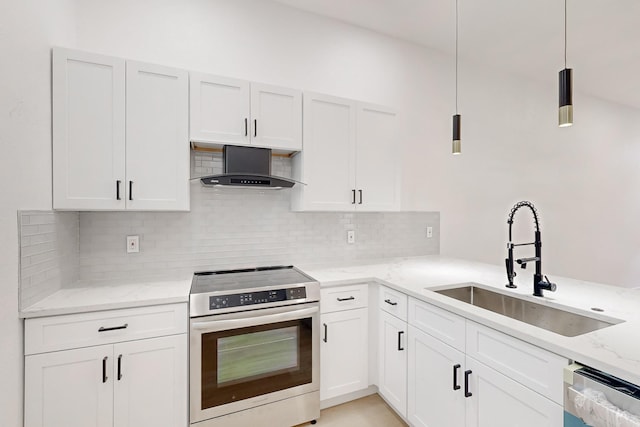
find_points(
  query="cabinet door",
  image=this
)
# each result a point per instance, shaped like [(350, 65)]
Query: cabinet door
[(88, 130), (276, 117), (150, 380), (157, 138), (498, 401), (219, 110), (377, 159), (392, 372), (69, 388), (435, 382), (343, 353), (327, 164)]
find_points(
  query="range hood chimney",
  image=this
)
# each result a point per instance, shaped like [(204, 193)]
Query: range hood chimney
[(247, 167)]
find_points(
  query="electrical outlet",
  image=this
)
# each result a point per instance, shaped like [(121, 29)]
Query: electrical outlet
[(351, 236), (429, 232), (133, 244)]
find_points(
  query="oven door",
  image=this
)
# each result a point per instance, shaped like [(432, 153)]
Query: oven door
[(246, 359)]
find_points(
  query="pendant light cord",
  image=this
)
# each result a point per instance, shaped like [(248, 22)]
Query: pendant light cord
[(565, 33), (457, 56)]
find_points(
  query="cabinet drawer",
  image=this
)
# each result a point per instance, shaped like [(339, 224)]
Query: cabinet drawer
[(393, 302), (54, 333), (343, 298), (441, 324), (527, 364)]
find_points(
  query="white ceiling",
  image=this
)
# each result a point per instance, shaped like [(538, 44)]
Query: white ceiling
[(524, 37)]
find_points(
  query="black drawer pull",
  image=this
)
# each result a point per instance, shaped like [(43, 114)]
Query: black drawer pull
[(346, 299), (360, 202), (255, 128), (353, 192), (467, 393), (325, 332), (456, 386), (130, 190), (388, 301), (104, 370), (118, 189), (119, 367), (400, 348), (113, 328), (246, 127)]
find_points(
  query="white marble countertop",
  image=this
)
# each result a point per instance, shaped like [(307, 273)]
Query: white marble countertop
[(85, 297), (614, 349)]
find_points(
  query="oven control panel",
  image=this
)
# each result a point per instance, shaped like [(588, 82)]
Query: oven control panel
[(259, 297)]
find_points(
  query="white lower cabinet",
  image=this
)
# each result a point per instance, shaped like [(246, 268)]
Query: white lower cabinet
[(343, 352), (514, 384), (498, 401), (344, 348), (392, 354), (435, 386), (136, 382)]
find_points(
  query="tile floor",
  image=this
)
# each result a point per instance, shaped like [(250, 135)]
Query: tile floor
[(370, 411)]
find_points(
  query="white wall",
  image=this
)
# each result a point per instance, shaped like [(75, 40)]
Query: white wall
[(584, 179), (28, 29)]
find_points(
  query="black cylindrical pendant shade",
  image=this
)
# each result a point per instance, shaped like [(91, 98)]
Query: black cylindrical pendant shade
[(457, 149), (566, 87), (565, 112)]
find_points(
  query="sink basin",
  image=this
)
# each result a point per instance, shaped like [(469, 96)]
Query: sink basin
[(552, 319)]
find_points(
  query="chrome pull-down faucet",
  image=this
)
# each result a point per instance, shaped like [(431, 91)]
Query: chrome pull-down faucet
[(540, 282)]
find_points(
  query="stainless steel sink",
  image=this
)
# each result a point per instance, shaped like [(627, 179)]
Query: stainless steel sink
[(552, 319)]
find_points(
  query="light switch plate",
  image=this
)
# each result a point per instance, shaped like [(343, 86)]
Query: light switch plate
[(133, 244), (351, 236)]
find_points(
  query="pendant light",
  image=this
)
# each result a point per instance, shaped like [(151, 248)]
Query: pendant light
[(456, 146), (565, 113)]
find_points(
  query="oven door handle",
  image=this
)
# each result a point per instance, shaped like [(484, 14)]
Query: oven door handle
[(221, 325)]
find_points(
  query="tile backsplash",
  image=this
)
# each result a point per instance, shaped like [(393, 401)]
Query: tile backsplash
[(232, 227), (49, 258)]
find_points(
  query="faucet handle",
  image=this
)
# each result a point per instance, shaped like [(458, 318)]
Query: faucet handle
[(510, 273), (552, 286)]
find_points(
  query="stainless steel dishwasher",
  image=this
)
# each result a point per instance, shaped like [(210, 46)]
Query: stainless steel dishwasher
[(594, 398)]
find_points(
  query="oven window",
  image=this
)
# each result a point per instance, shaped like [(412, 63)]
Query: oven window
[(257, 355), (246, 362)]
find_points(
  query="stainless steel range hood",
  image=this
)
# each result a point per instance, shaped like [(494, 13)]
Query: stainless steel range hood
[(247, 167)]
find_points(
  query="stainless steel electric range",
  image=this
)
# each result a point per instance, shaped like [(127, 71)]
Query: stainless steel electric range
[(254, 347)]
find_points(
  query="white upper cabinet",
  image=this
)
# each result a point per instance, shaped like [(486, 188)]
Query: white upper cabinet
[(219, 109), (236, 112), (350, 160), (157, 138), (377, 159), (101, 163), (276, 115), (327, 164), (88, 130)]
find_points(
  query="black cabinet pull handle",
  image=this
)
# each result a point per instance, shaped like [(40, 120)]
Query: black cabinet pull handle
[(325, 332), (345, 299), (400, 348), (119, 367), (246, 127), (467, 393), (255, 127), (360, 202), (104, 370), (113, 328), (456, 386), (130, 190), (388, 301), (118, 189), (353, 202)]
